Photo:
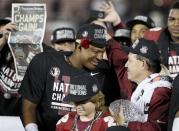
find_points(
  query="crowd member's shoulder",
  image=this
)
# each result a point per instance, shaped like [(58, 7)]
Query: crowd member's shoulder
[(153, 33)]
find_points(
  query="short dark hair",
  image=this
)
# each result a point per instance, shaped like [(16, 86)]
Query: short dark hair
[(154, 66), (175, 5)]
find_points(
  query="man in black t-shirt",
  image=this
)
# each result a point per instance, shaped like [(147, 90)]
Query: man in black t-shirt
[(49, 74)]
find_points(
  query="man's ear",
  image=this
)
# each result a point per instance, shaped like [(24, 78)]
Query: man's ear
[(78, 45), (145, 65)]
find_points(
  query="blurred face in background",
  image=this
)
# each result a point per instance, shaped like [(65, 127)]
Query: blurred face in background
[(64, 46), (138, 32), (173, 24)]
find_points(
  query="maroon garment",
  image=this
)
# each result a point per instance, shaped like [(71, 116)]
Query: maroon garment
[(119, 26), (82, 125), (153, 34), (159, 105), (101, 124), (157, 114), (117, 58)]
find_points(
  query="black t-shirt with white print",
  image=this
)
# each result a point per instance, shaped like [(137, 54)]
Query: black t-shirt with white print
[(10, 99), (9, 85), (46, 83), (173, 59)]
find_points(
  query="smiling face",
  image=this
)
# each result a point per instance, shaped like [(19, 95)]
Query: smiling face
[(173, 24), (91, 56), (138, 31), (134, 67)]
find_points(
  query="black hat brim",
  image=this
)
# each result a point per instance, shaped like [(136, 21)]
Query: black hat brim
[(76, 98), (63, 40), (99, 44), (131, 23), (4, 21), (122, 38), (130, 50)]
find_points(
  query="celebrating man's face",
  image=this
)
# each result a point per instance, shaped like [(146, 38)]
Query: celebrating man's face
[(173, 24)]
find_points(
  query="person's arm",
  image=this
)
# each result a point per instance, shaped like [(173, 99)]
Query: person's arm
[(176, 122), (29, 115), (32, 89), (117, 58)]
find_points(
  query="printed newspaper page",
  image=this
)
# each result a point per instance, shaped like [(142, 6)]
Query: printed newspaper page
[(26, 42)]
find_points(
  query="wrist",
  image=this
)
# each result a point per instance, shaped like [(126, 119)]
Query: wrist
[(31, 127), (117, 21)]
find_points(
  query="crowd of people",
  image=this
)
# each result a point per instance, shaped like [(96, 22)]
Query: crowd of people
[(70, 85)]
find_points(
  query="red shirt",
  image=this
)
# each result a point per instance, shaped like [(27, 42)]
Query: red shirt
[(101, 124)]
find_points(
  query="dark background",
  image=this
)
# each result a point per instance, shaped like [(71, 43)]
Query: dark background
[(75, 12)]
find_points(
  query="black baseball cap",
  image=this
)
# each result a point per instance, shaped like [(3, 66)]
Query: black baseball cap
[(175, 5), (63, 34), (82, 88), (96, 34), (122, 35), (118, 128), (145, 48), (140, 19), (4, 21)]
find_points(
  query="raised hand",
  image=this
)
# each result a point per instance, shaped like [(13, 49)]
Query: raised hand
[(111, 14), (5, 30)]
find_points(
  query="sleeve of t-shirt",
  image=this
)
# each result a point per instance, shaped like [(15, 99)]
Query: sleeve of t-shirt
[(33, 84)]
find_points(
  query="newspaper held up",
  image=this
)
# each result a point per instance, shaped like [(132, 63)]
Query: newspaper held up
[(26, 42)]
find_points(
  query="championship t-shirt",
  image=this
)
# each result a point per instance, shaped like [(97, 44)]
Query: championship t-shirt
[(173, 59), (46, 83)]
